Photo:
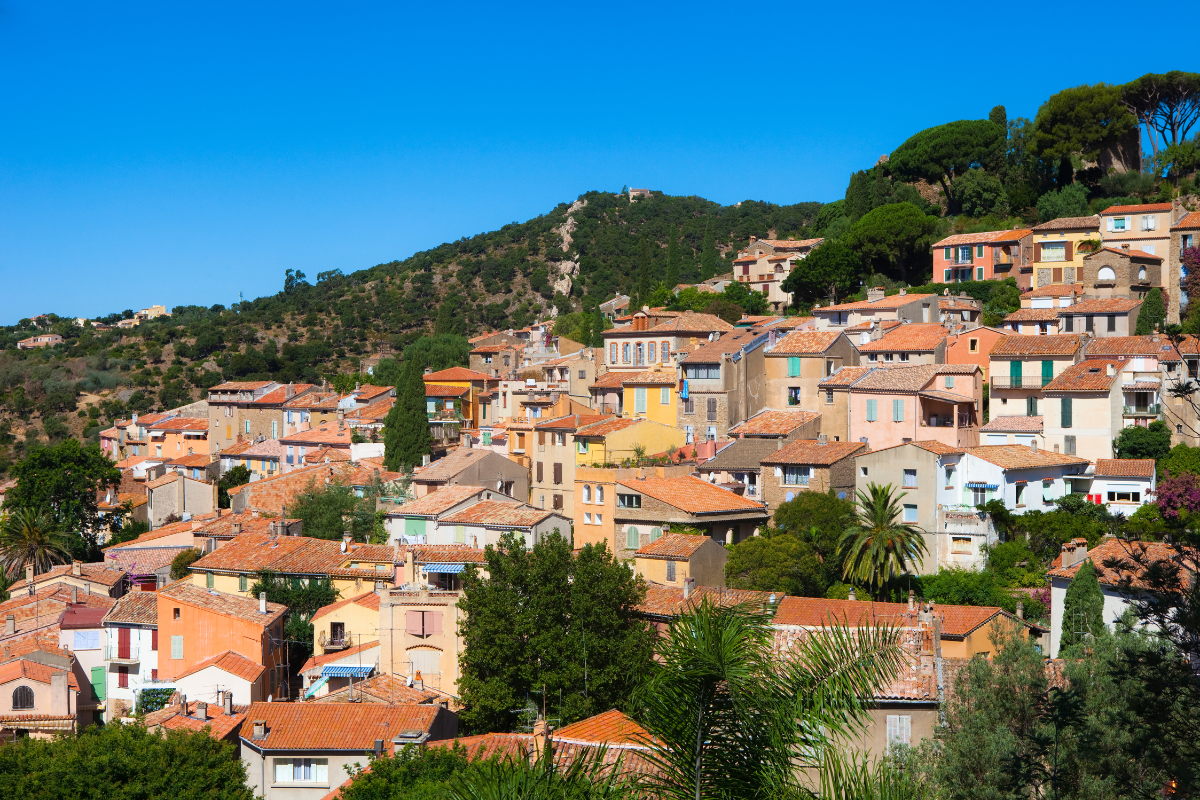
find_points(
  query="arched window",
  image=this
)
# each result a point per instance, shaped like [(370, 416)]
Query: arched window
[(655, 533), (1106, 274), (1141, 273), (632, 537), (599, 494), (587, 493), (22, 698)]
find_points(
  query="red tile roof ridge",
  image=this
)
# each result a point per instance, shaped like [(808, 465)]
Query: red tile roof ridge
[(673, 547), (351, 727), (457, 374), (1188, 221), (368, 600), (234, 663), (1122, 251), (693, 495), (1149, 207)]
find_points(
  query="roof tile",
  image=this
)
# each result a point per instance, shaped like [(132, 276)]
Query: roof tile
[(693, 495)]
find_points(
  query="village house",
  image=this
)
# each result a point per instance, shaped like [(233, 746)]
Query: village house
[(226, 403), (346, 624), (959, 310), (718, 382), (1122, 485), (651, 395), (97, 579), (485, 522), (1022, 365), (835, 401), (1184, 235), (677, 559), (1112, 274), (808, 465), (438, 566), (1141, 227), (797, 362), (329, 436), (452, 397), (765, 264), (473, 466), (608, 397), (988, 256), (914, 344), (892, 405), (573, 373), (415, 522), (130, 641), (40, 340), (264, 417), (1150, 367), (878, 306), (419, 636), (1115, 316), (1033, 321), (614, 441), (553, 463), (1056, 248), (40, 698), (497, 359), (972, 345), (1023, 478), (220, 720), (312, 409), (1083, 409), (737, 466), (179, 496), (637, 346)]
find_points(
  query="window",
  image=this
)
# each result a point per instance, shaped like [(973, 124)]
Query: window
[(599, 498), (796, 476), (899, 730), (599, 519), (711, 404), (632, 537), (582, 374), (1066, 412), (949, 381), (581, 446), (689, 406), (946, 254), (689, 432), (910, 513), (587, 518), (22, 698), (176, 615), (979, 272), (1054, 251), (1031, 409), (587, 493), (829, 397), (702, 372), (558, 476), (625, 350), (560, 439), (655, 533), (872, 410), (209, 579), (664, 396), (176, 647), (629, 501), (1068, 324), (154, 640), (897, 411), (612, 353), (86, 640), (1118, 224), (430, 408), (1020, 494), (651, 353), (979, 251), (979, 496), (460, 534), (639, 399), (793, 366), (960, 545), (863, 470), (949, 477), (711, 433), (302, 770), (539, 471), (946, 273), (1088, 323), (556, 502), (1112, 322), (910, 479)]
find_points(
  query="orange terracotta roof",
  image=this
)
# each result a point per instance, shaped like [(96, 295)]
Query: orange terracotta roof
[(1121, 251), (368, 600), (691, 322), (182, 717), (1034, 315), (771, 422), (808, 451), (180, 424), (283, 394), (1063, 344), (805, 342), (194, 460), (607, 426), (1116, 561), (439, 501), (611, 727), (986, 237), (650, 376), (913, 336), (571, 422), (693, 495), (326, 434), (1111, 305), (609, 380), (1162, 349), (34, 671), (1089, 375), (382, 689), (237, 665), (1056, 290), (446, 554), (498, 514), (315, 401), (244, 608), (456, 374), (1125, 467), (1019, 456), (844, 377), (1070, 224), (351, 727), (435, 390), (452, 464), (287, 555), (1187, 222), (134, 608), (714, 352), (1013, 424), (133, 461), (673, 547), (497, 348), (96, 573), (814, 612), (239, 386), (785, 244), (373, 411), (889, 303), (898, 379), (668, 601), (1146, 209)]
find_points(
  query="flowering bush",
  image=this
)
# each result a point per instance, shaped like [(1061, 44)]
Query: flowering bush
[(1179, 494)]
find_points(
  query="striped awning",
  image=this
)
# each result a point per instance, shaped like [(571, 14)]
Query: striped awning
[(448, 568), (347, 670), (982, 485)]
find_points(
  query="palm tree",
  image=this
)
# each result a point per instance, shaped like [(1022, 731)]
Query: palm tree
[(29, 537), (877, 547), (729, 717)]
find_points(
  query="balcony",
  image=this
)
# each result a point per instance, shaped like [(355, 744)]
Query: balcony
[(1142, 411), (339, 641), (1021, 382), (121, 655)]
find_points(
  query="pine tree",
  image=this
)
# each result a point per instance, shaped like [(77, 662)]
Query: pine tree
[(1153, 313), (1083, 607), (673, 260), (708, 254), (406, 434)]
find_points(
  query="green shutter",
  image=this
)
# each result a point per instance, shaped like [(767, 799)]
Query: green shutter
[(632, 538), (897, 411), (793, 366), (243, 582), (1047, 372), (872, 410), (946, 253), (946, 275), (979, 273), (1014, 372), (414, 527), (1031, 406), (1066, 412), (639, 399), (98, 683), (979, 251)]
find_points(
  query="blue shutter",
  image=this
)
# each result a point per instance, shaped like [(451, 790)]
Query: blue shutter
[(897, 411), (872, 410)]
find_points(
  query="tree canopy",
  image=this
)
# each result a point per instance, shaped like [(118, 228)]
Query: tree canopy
[(1081, 120), (943, 153), (1167, 104), (1153, 441), (892, 237), (831, 271)]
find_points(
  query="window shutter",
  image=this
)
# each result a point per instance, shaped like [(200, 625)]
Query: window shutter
[(631, 539), (1070, 252), (557, 472), (779, 472), (176, 647), (1014, 372), (905, 729), (154, 639), (98, 683), (1110, 224), (671, 570), (793, 366), (897, 411), (872, 412), (1037, 252), (1047, 372), (433, 622), (946, 253), (1066, 412), (893, 728), (413, 623), (539, 472), (541, 437)]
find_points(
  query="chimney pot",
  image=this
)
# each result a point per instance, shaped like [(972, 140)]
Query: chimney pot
[(853, 595), (228, 702), (1020, 610), (74, 595), (10, 624), (1033, 448), (912, 600), (29, 573), (201, 710), (237, 529), (262, 602), (76, 568)]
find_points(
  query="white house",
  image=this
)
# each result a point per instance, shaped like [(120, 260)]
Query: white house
[(130, 638), (484, 523), (224, 672), (1116, 602), (1024, 478), (415, 522), (1122, 485)]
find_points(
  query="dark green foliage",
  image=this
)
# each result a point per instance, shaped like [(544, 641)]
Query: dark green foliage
[(1165, 103), (440, 351), (1083, 608), (181, 562), (943, 153), (414, 773), (1181, 459), (533, 624), (797, 556), (151, 700), (1082, 120), (324, 510), (129, 531), (831, 271), (123, 762), (980, 193), (406, 435), (1003, 301), (998, 116), (1153, 314), (893, 238), (301, 597), (1153, 441), (968, 587), (234, 476), (1070, 201)]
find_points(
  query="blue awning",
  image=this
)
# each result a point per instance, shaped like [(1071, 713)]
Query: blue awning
[(684, 392), (347, 671), (450, 568), (317, 685), (982, 485)]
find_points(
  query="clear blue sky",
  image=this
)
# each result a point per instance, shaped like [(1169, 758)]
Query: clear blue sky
[(177, 152)]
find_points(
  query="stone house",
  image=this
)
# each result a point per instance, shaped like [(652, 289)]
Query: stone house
[(179, 495), (1185, 233), (910, 343), (676, 559), (483, 524), (765, 264), (1056, 249), (723, 384), (1143, 229), (796, 363), (265, 416), (1110, 273), (808, 465), (226, 403), (312, 409), (1114, 316)]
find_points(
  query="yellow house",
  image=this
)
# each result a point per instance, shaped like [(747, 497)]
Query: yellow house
[(651, 395), (613, 440), (346, 623), (1057, 257), (352, 568), (465, 402)]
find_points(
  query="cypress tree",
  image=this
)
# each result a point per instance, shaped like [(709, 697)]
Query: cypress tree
[(673, 261), (1153, 313), (597, 327), (1083, 607), (858, 195), (708, 254), (406, 434)]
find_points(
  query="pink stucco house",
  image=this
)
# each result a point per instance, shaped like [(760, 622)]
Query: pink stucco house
[(934, 402), (988, 256)]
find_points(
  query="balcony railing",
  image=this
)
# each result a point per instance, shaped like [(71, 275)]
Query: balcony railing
[(1142, 411), (121, 655), (339, 642), (1022, 382)]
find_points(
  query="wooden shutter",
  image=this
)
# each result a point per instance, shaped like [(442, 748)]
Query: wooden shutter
[(872, 414), (154, 640), (1047, 372), (1037, 252), (1066, 412), (539, 472), (98, 683), (414, 623), (542, 437), (433, 622), (1070, 252), (558, 472), (123, 642), (1056, 275)]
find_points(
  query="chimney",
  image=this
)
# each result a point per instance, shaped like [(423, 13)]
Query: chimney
[(29, 573), (237, 529), (429, 370), (541, 733), (260, 729), (853, 596), (202, 711), (229, 703), (76, 568), (1110, 370), (1074, 552), (822, 439), (290, 391), (1033, 446), (466, 441), (379, 748), (346, 539), (1020, 610), (262, 602), (341, 418), (903, 292), (912, 600), (688, 587), (74, 595), (10, 624), (875, 294), (418, 681)]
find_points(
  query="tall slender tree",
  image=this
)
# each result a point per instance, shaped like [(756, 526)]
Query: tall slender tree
[(1083, 607), (709, 258), (406, 436), (673, 259)]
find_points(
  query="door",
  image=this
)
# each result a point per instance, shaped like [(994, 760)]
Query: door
[(1047, 372), (1014, 372), (122, 642)]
